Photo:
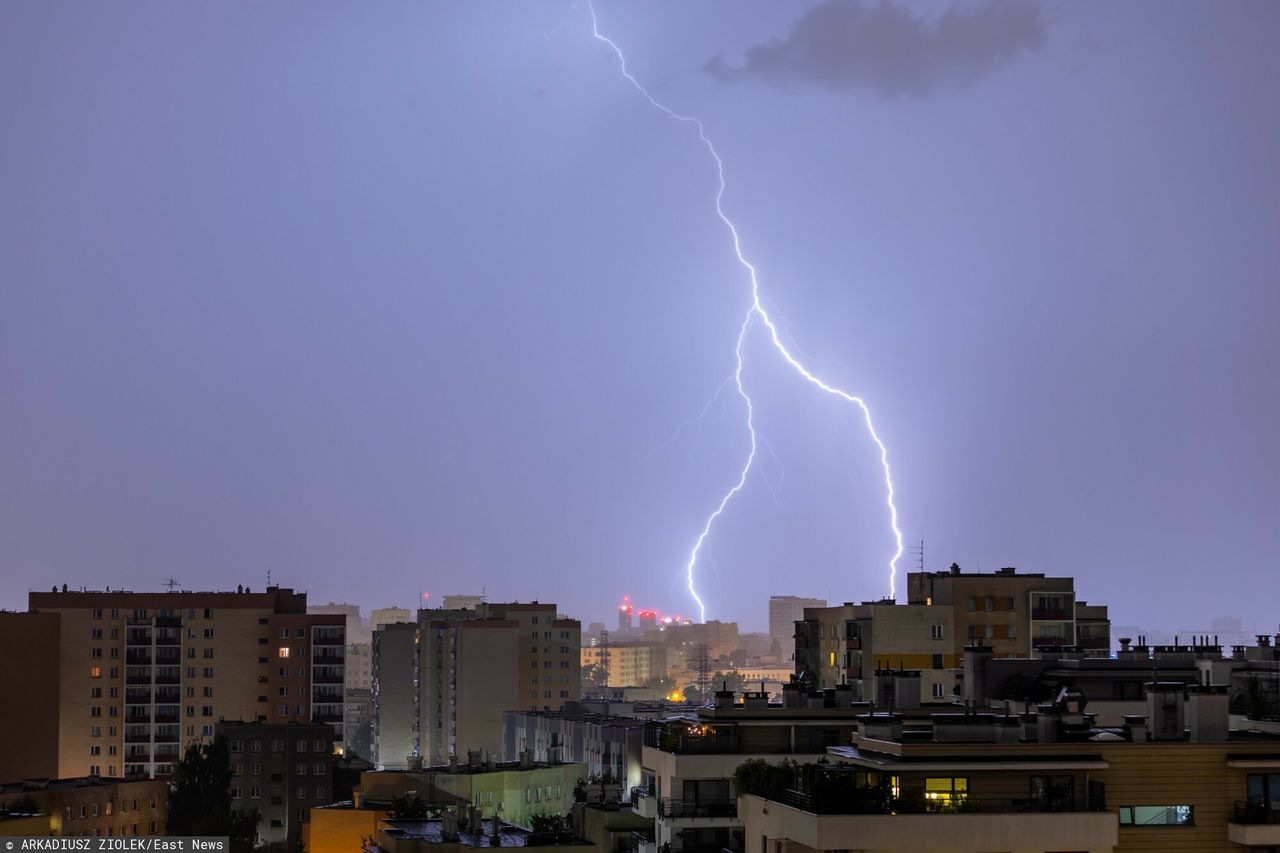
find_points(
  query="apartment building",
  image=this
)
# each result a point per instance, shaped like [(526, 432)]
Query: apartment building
[(141, 674), (630, 664), (475, 664), (281, 769), (513, 791), (395, 696), (1014, 612), (847, 644), (30, 715), (1173, 779), (608, 745), (688, 761), (784, 612), (86, 807)]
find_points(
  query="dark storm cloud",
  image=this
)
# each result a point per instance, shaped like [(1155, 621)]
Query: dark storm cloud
[(846, 44)]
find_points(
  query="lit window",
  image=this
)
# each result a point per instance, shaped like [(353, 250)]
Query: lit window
[(946, 790), (1157, 816), (284, 651), (95, 672)]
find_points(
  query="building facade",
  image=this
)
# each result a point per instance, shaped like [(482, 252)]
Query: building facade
[(142, 674), (282, 770), (784, 612)]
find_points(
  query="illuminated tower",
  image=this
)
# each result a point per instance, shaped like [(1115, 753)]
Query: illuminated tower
[(624, 615)]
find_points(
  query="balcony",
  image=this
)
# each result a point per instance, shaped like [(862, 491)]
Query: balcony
[(669, 807), (981, 825), (644, 803), (1093, 643), (1050, 614), (1254, 825)]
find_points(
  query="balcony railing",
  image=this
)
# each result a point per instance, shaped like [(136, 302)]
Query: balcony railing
[(953, 805), (1049, 614), (674, 808), (1256, 812)]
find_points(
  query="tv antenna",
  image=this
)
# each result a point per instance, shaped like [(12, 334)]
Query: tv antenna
[(172, 583), (918, 552)]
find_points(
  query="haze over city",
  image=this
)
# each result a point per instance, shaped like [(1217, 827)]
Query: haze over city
[(405, 298)]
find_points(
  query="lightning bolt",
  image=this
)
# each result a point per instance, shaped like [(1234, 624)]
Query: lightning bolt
[(755, 312)]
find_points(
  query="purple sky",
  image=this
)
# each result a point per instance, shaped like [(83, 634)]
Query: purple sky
[(397, 297)]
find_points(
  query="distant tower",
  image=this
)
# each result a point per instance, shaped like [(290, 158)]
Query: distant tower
[(624, 615), (648, 620), (701, 661), (603, 671)]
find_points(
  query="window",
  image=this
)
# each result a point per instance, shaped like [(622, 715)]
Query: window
[(96, 634), (973, 604), (939, 691), (1264, 791), (300, 746), (946, 790), (95, 711), (255, 746), (208, 633), (95, 731), (937, 632), (277, 745), (207, 672), (301, 768), (208, 653), (284, 651), (191, 653), (1157, 816), (319, 746), (284, 690), (255, 792), (317, 769), (990, 603), (95, 672), (95, 692)]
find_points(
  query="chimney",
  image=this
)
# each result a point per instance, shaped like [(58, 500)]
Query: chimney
[(414, 762), (906, 689), (1135, 725), (526, 759), (1207, 716), (724, 699), (453, 762), (976, 658), (1165, 710)]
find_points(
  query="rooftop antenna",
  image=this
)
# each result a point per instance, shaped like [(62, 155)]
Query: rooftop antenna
[(172, 583), (918, 551)]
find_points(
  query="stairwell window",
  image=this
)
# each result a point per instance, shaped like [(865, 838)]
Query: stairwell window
[(1157, 816)]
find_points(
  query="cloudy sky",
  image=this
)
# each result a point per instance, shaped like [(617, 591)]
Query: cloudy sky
[(395, 297)]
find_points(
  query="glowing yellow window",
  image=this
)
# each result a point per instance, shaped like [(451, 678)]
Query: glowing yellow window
[(284, 651), (946, 790), (833, 659)]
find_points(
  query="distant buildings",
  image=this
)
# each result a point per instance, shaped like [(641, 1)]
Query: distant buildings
[(139, 674), (784, 612), (607, 745), (441, 684)]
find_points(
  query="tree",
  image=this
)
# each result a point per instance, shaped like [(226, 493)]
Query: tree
[(409, 808), (731, 680), (594, 674), (200, 798)]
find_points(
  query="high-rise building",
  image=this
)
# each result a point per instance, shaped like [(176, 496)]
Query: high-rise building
[(395, 695), (475, 664), (140, 674), (30, 712), (784, 612)]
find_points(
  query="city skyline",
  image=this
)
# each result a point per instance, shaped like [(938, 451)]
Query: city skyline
[(420, 299)]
